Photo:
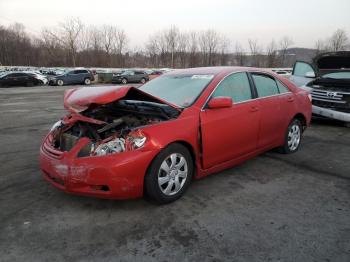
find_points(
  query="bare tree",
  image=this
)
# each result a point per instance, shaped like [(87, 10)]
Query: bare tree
[(53, 48), (320, 47), (339, 41), (71, 30), (271, 54), (152, 49), (255, 51), (172, 36), (224, 44), (208, 42), (193, 49), (182, 50), (108, 33), (285, 43), (239, 55), (120, 44)]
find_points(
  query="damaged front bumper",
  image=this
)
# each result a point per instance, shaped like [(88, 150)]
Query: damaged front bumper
[(330, 113), (115, 176)]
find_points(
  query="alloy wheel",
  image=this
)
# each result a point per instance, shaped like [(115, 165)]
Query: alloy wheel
[(294, 136), (172, 174)]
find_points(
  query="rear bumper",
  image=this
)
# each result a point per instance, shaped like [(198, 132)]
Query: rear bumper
[(329, 113), (116, 176)]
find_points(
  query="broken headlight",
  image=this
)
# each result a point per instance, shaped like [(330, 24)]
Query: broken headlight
[(56, 125), (133, 141), (136, 140), (114, 146)]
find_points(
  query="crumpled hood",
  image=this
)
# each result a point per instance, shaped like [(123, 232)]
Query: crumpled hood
[(79, 99)]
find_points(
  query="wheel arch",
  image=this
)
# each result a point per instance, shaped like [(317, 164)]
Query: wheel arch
[(184, 143), (301, 117)]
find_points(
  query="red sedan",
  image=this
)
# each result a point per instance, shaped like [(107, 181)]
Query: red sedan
[(123, 142)]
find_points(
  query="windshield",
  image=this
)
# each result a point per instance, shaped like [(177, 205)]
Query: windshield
[(127, 73), (181, 90), (338, 75)]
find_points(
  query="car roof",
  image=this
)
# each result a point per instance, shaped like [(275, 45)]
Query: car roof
[(215, 70)]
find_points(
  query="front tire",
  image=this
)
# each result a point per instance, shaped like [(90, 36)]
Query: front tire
[(124, 81), (143, 80), (87, 81), (170, 174), (60, 82), (292, 137)]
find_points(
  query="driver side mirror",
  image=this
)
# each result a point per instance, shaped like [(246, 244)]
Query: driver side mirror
[(310, 74), (220, 102)]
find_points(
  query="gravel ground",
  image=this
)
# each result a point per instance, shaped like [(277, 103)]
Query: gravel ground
[(271, 208)]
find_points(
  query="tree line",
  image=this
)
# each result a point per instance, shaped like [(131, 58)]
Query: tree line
[(71, 44)]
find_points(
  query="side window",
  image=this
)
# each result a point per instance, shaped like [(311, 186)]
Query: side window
[(15, 75), (301, 68), (265, 86), (10, 75), (236, 86), (282, 88)]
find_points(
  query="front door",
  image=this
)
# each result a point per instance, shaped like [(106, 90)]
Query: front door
[(302, 74), (229, 133)]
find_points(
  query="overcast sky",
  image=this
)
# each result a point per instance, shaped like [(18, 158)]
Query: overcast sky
[(305, 21)]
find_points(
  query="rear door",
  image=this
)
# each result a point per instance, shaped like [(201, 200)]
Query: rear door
[(22, 79), (303, 73), (13, 79), (132, 76), (229, 133), (271, 110)]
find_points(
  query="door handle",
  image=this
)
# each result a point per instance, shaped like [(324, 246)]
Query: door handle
[(254, 109), (290, 99)]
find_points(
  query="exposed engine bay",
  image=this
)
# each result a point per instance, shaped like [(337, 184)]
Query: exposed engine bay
[(120, 130)]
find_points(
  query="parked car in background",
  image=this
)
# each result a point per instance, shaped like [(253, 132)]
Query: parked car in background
[(123, 142), (39, 76), (76, 76), (154, 73), (327, 78), (130, 76), (21, 79)]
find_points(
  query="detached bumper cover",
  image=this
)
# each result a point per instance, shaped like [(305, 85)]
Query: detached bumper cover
[(115, 176), (342, 116)]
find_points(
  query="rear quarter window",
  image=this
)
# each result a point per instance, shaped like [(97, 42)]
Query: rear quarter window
[(282, 88)]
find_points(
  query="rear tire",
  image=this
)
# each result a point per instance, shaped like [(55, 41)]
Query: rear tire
[(143, 80), (169, 174), (292, 137)]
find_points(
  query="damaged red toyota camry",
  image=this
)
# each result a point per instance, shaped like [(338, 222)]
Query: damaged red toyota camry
[(124, 142)]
